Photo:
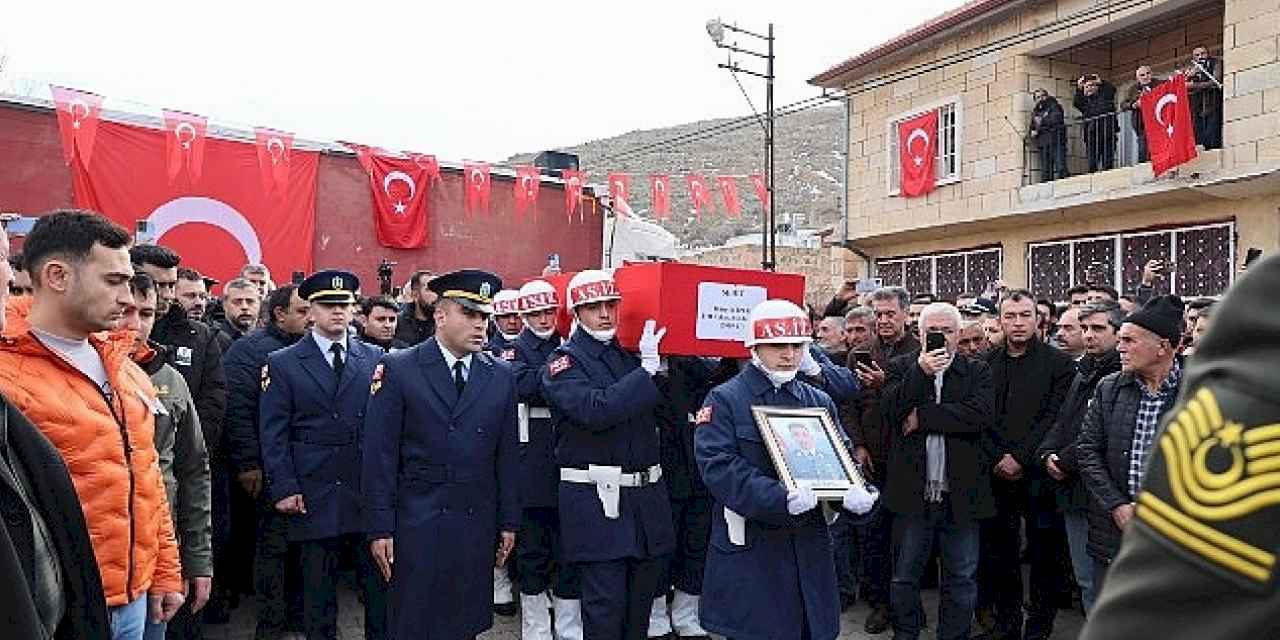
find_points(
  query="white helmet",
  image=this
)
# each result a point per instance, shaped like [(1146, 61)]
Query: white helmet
[(778, 322), (506, 303), (590, 286), (538, 295)]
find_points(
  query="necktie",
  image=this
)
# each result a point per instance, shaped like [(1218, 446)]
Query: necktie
[(338, 364), (458, 380)]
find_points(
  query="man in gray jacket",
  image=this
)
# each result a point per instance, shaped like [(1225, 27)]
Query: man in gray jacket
[(184, 463)]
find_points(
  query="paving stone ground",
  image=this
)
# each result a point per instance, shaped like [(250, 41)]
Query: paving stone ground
[(351, 622)]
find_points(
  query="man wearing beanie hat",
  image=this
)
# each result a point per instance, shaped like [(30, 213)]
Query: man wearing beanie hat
[(1199, 559), (1120, 425)]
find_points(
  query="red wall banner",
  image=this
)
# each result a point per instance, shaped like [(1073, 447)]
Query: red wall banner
[(218, 224)]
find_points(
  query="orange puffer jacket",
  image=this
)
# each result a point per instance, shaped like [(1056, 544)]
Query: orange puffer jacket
[(113, 462)]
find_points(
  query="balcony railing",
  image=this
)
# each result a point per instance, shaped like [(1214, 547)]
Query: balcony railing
[(1084, 145)]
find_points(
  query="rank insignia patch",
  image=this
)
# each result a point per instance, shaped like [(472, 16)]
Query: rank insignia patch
[(266, 378), (509, 354), (378, 372), (1209, 491), (703, 416), (555, 367)]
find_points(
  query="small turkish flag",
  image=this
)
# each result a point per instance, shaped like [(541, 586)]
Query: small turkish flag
[(476, 194), (78, 114), (274, 149), (364, 152), (428, 164), (399, 201), (762, 190), (1166, 116), (729, 191), (700, 194), (660, 190), (184, 139), (572, 191), (528, 181), (619, 189), (917, 146)]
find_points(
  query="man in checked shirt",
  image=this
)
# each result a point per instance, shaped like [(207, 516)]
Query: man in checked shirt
[(1120, 425)]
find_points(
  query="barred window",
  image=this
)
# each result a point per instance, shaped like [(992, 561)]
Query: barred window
[(948, 275), (1198, 261), (947, 161)]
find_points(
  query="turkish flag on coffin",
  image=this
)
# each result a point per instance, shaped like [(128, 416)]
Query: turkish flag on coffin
[(1166, 116), (400, 189), (217, 225), (917, 146)]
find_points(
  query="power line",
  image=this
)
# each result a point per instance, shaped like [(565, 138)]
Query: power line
[(905, 74)]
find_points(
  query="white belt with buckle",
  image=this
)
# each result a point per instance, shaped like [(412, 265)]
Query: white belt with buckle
[(609, 481)]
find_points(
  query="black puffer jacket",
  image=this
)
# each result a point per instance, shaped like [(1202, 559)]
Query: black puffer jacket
[(244, 362), (197, 355), (1064, 437), (1103, 453)]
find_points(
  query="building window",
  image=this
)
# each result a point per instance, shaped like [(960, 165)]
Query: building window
[(1198, 261), (947, 275), (947, 161)]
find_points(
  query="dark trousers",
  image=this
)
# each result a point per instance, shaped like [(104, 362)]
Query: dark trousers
[(1100, 568), (224, 565), (538, 556), (1053, 159), (1001, 564), (913, 542), (875, 539), (274, 576), (844, 549), (617, 596), (683, 569), (320, 592), (1209, 128), (1100, 145), (184, 625), (1143, 154)]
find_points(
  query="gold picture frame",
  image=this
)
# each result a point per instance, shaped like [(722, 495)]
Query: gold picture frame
[(824, 466)]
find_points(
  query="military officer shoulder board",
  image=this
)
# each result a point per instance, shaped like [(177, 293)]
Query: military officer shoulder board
[(1212, 490), (703, 416)]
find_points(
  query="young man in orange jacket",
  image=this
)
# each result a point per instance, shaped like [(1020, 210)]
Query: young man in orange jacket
[(75, 380)]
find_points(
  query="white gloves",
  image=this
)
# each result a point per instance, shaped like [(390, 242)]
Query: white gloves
[(801, 500), (649, 341), (809, 366), (858, 500)]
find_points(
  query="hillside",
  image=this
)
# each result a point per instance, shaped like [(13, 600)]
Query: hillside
[(807, 151)]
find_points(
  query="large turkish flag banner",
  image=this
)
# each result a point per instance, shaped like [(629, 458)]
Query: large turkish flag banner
[(218, 225), (917, 147), (1166, 116), (400, 190)]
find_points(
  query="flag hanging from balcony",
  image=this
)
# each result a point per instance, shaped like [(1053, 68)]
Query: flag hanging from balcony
[(917, 147), (1166, 116)]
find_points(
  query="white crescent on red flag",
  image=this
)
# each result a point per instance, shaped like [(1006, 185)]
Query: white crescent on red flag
[(1166, 116), (184, 142), (78, 116), (700, 194), (528, 181), (400, 197), (572, 190), (660, 194), (619, 192), (476, 187), (917, 148), (275, 151), (762, 190), (729, 192)]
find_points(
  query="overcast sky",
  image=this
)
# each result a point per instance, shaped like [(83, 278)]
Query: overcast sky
[(460, 79)]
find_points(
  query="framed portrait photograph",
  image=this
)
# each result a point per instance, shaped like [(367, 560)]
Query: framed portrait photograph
[(807, 450)]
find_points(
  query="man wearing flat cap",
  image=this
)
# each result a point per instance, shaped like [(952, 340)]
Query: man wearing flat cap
[(311, 418), (440, 468), (1120, 425), (1199, 560)]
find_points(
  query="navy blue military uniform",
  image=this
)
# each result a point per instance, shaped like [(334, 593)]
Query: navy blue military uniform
[(501, 347), (538, 548), (311, 418), (440, 477), (780, 583), (603, 405)]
